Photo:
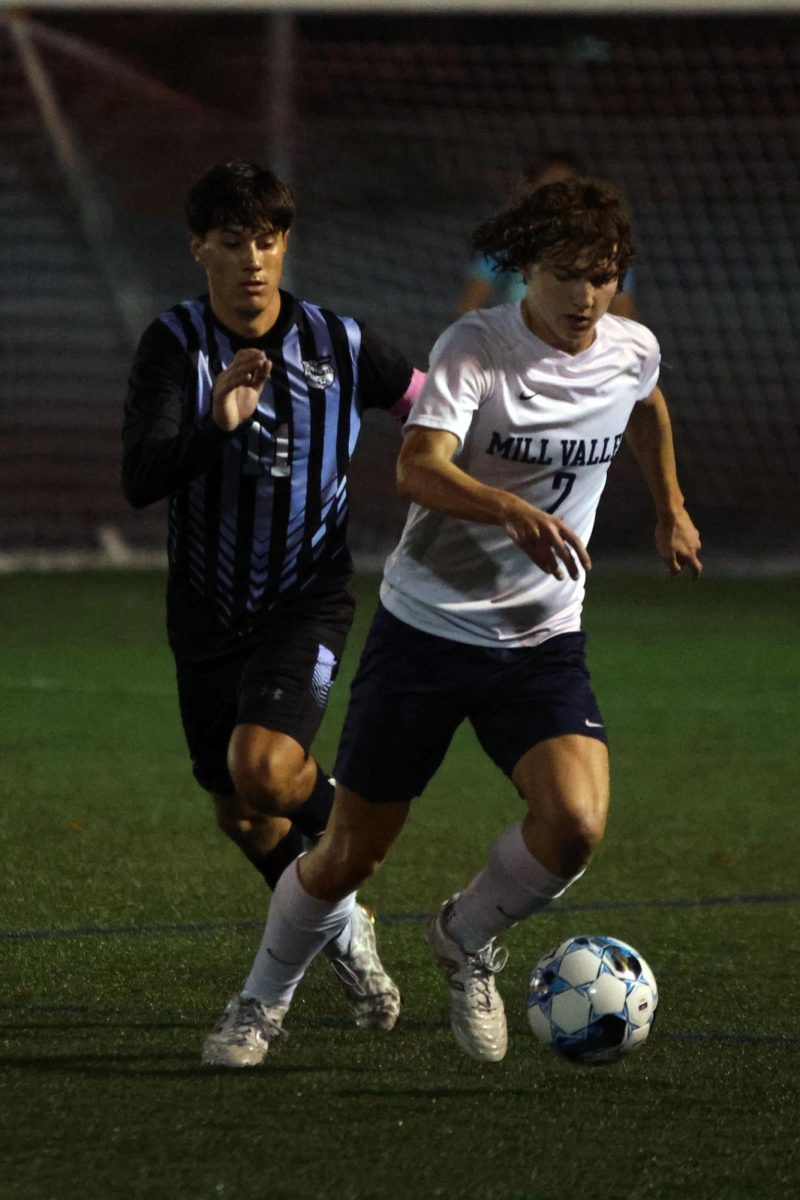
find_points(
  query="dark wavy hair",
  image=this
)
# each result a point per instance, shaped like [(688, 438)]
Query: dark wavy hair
[(574, 221), (240, 194)]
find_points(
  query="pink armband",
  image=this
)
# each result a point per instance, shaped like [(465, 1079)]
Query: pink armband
[(403, 406)]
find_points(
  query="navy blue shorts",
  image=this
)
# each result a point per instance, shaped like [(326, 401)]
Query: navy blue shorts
[(278, 676), (412, 690)]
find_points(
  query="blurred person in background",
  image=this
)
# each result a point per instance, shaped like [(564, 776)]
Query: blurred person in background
[(243, 408), (485, 286)]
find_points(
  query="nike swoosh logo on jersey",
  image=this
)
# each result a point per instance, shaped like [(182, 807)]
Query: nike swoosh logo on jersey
[(527, 395), (593, 724)]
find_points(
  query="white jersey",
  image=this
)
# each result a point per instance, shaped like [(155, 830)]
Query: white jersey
[(535, 421)]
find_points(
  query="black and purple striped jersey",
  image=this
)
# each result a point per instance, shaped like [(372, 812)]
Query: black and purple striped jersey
[(259, 515)]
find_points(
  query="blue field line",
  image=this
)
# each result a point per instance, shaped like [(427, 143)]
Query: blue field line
[(22, 935), (397, 918)]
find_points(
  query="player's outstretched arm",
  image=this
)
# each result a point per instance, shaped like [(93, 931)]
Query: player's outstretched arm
[(237, 389), (427, 475), (649, 435)]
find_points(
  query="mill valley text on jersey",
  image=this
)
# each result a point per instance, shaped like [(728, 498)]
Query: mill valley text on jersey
[(533, 420), (569, 452)]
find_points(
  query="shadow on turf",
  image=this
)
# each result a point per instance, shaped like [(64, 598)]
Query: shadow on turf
[(77, 1026), (129, 1018), (114, 1066), (441, 1093)]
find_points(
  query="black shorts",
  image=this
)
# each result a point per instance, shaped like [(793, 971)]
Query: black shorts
[(412, 690), (278, 676)]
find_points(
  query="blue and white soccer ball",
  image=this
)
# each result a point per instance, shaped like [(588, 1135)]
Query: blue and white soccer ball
[(592, 1000)]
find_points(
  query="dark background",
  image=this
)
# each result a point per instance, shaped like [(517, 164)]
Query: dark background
[(397, 136)]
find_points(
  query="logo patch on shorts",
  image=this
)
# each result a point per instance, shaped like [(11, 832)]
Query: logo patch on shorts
[(319, 371), (322, 678)]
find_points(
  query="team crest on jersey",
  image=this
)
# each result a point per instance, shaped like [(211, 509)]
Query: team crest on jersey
[(319, 371)]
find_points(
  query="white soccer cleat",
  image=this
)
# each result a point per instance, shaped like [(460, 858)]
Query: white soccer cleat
[(372, 995), (477, 1015), (242, 1035)]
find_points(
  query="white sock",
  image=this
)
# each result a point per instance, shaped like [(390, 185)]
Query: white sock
[(338, 946), (298, 926), (512, 886)]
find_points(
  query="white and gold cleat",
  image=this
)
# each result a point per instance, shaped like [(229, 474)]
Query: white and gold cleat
[(243, 1034), (372, 995), (477, 1015)]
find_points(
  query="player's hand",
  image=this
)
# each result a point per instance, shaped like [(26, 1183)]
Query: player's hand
[(678, 543), (237, 389), (547, 540)]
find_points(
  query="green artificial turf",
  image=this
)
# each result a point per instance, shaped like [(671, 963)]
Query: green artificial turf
[(127, 921)]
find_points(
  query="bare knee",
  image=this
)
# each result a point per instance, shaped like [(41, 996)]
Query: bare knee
[(580, 837), (270, 772), (565, 783), (248, 829), (234, 817), (577, 834), (564, 838)]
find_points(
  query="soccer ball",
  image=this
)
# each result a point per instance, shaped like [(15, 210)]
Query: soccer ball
[(592, 999)]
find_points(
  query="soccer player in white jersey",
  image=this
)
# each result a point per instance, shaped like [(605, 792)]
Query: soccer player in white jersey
[(505, 456)]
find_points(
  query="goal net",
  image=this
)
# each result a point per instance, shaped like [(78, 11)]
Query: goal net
[(398, 135)]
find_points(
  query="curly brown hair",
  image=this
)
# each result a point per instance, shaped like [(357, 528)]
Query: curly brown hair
[(569, 223)]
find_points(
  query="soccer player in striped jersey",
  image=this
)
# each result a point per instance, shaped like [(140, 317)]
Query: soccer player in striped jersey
[(244, 408), (505, 457)]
